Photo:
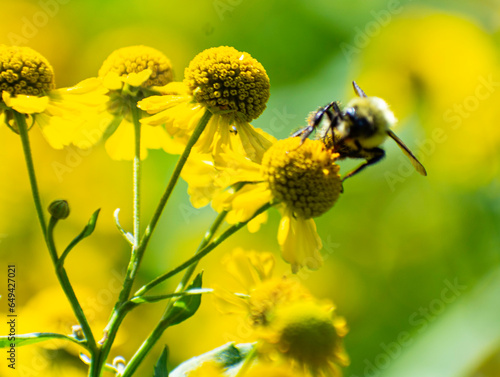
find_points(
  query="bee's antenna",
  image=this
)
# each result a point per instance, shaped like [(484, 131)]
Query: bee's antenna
[(359, 92)]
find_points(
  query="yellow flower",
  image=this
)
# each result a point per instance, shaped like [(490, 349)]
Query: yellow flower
[(130, 74), (28, 87), (290, 325), (230, 84), (308, 335), (302, 179)]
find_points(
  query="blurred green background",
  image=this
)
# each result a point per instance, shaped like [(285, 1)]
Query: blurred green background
[(413, 263)]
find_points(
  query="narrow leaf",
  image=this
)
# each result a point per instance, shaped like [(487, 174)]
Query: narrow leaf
[(186, 306), (87, 231), (26, 339), (161, 365), (129, 237), (151, 299), (89, 228)]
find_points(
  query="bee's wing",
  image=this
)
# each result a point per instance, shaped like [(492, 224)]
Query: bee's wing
[(416, 164), (359, 92)]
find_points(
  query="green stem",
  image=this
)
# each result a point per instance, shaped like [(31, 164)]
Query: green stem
[(137, 253), (62, 276), (118, 311), (174, 178), (165, 321), (23, 132), (137, 175), (190, 262)]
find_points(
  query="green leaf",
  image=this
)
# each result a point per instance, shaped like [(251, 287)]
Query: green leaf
[(152, 299), (229, 357), (127, 235), (89, 228), (186, 306), (26, 339), (161, 365), (87, 231)]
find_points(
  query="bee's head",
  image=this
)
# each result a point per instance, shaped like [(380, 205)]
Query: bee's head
[(366, 118)]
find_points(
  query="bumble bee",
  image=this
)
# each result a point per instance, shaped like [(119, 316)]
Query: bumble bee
[(358, 130)]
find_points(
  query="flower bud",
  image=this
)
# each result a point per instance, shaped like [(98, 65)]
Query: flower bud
[(59, 209)]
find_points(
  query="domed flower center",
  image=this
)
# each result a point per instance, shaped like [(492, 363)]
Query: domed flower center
[(25, 71), (135, 59), (228, 81), (307, 333), (304, 177)]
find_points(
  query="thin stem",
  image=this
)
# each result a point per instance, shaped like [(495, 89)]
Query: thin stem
[(206, 239), (119, 310), (137, 254), (137, 174), (62, 276), (174, 178), (23, 132), (165, 321), (190, 262)]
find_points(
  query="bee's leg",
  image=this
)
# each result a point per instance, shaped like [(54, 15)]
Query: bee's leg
[(316, 120), (335, 117), (376, 154)]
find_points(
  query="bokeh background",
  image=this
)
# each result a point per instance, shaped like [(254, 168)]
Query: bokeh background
[(413, 263)]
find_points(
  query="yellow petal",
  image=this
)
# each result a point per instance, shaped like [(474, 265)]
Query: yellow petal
[(249, 268), (176, 88), (247, 201), (299, 241), (57, 131), (155, 104), (137, 79), (253, 225), (112, 81), (25, 104), (255, 142)]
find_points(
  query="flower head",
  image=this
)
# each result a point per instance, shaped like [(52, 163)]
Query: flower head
[(306, 178), (127, 61), (290, 325), (25, 71), (228, 81), (302, 179), (308, 335), (232, 86), (129, 74), (28, 87)]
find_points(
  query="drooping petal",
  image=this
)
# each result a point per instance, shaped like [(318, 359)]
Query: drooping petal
[(299, 241), (25, 104), (56, 130), (255, 142)]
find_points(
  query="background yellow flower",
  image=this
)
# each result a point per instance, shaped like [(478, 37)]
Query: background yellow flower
[(403, 254)]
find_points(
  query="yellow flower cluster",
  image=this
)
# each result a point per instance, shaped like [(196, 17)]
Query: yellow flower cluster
[(134, 105), (233, 165)]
